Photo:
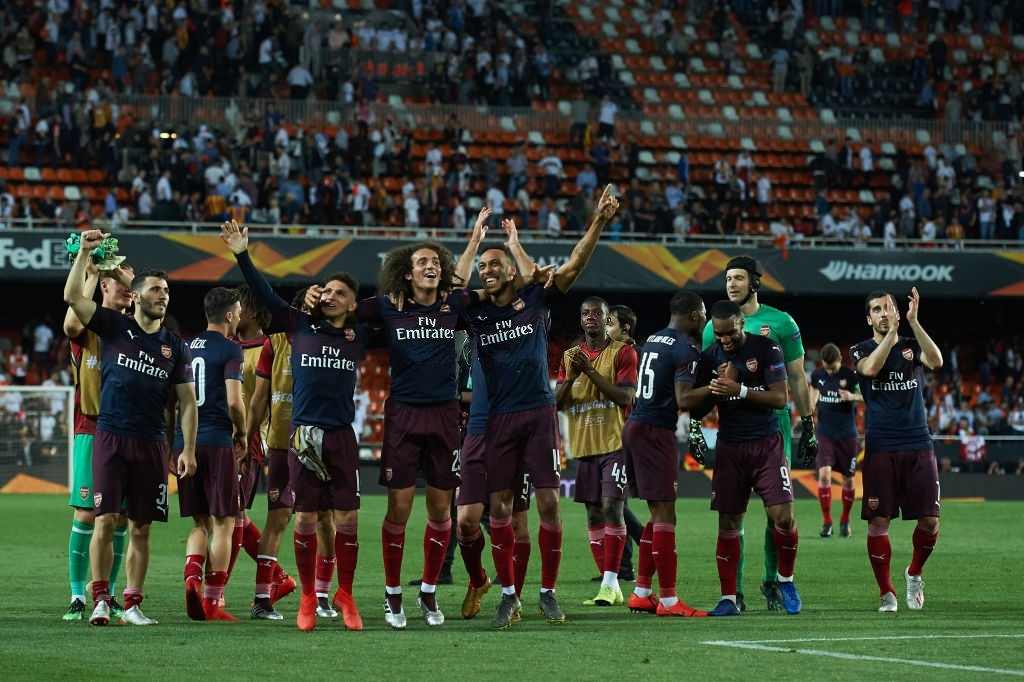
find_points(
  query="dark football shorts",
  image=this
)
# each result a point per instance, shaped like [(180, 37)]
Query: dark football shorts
[(279, 489), (839, 454), (601, 476), (420, 438), (213, 489), (652, 460), (900, 482), (132, 471), (341, 459), (523, 442), (756, 464), (473, 475)]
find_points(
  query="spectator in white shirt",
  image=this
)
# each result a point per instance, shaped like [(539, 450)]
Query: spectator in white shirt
[(929, 231), (360, 201), (145, 204), (552, 167), (412, 211), (164, 192), (434, 158), (459, 216), (867, 161), (889, 237), (300, 80), (606, 118), (764, 194)]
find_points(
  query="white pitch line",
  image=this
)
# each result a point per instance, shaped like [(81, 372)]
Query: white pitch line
[(864, 657), (862, 639)]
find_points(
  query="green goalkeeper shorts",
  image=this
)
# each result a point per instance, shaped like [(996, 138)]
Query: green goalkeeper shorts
[(80, 491)]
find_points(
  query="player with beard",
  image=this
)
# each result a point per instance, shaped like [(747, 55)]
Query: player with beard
[(211, 496), (141, 364), (900, 472), (115, 286), (510, 330), (834, 394), (748, 386), (327, 347), (742, 284), (669, 361), (273, 392), (596, 383)]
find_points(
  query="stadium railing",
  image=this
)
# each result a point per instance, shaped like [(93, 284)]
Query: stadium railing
[(412, 233), (168, 110)]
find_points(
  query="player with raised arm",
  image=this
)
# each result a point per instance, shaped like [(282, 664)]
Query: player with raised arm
[(327, 347), (510, 330), (748, 387), (142, 362), (834, 393), (115, 286), (419, 304), (742, 284), (669, 361), (900, 472), (272, 392), (596, 384), (210, 497)]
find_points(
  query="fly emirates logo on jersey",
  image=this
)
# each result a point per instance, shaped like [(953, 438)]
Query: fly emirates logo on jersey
[(506, 330), (895, 381), (426, 330), (143, 364), (329, 358)]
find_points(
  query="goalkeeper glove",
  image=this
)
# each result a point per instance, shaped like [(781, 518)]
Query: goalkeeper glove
[(807, 449), (698, 446)]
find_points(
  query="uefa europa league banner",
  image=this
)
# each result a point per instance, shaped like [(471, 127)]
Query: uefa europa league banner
[(41, 255)]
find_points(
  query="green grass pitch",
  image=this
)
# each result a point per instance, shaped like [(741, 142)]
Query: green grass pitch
[(973, 617)]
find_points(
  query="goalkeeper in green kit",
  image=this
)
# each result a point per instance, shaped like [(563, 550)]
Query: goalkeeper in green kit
[(742, 281)]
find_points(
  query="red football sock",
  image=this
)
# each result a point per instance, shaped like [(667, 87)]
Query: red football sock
[(924, 543), (346, 547), (324, 574), (550, 542), (825, 500), (214, 588), (436, 537), (100, 590), (132, 597), (596, 536), (392, 540), (848, 496), (785, 546), (520, 560), (265, 566), (663, 550), (645, 562), (879, 552), (472, 550), (304, 540), (614, 543), (279, 573), (251, 539), (727, 554), (503, 538), (236, 544), (194, 565)]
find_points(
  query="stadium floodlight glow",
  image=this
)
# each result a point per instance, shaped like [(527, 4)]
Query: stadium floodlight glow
[(165, 136)]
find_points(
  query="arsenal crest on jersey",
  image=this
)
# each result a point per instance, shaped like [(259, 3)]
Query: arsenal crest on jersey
[(518, 305), (166, 351), (752, 364), (350, 335), (842, 383), (873, 503), (83, 493), (388, 473), (446, 308), (908, 353), (97, 500), (765, 330), (274, 494)]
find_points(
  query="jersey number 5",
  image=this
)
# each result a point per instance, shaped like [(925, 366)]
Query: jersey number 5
[(646, 389)]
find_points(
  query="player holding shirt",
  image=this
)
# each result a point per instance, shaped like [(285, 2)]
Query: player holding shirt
[(834, 393), (669, 361), (419, 309), (324, 464), (742, 283), (900, 473), (85, 367), (211, 496), (749, 385), (596, 383), (510, 331), (141, 364), (273, 392)]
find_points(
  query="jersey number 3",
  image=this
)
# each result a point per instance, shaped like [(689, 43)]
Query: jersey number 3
[(646, 388)]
